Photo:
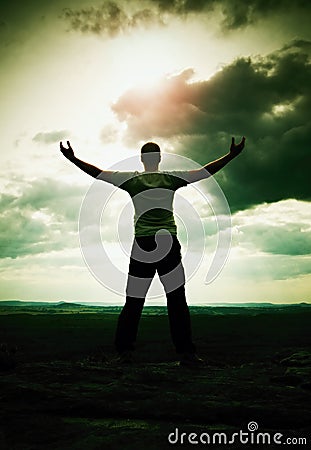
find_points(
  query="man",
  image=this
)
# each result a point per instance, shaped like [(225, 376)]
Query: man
[(155, 247)]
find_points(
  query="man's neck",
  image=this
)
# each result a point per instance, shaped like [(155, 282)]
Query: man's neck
[(151, 169)]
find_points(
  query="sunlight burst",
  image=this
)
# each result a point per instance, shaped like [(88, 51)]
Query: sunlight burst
[(145, 60)]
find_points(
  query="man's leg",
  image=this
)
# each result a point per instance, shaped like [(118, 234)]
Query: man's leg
[(127, 326), (139, 279), (172, 276), (179, 320)]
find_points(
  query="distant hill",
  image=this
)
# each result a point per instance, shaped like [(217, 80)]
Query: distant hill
[(62, 307), (25, 303), (65, 304), (34, 303)]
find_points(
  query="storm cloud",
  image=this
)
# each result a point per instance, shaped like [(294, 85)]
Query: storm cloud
[(267, 99), (109, 19), (112, 18)]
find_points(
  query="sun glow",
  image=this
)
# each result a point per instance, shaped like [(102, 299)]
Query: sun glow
[(146, 57)]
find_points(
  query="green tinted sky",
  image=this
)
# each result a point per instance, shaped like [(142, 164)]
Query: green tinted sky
[(188, 74)]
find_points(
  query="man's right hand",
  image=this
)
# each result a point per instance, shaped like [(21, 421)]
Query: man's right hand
[(67, 152)]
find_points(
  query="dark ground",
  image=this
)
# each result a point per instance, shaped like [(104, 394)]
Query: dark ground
[(60, 390)]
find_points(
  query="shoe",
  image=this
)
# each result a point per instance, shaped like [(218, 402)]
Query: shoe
[(125, 357), (191, 360)]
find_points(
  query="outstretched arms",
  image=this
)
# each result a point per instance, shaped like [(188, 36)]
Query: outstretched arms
[(86, 167), (214, 166), (192, 176)]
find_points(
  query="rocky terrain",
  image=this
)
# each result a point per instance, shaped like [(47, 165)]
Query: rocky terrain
[(61, 388)]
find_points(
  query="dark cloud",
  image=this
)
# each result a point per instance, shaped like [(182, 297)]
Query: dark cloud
[(23, 231), (268, 99), (111, 18), (166, 110), (50, 137), (240, 13)]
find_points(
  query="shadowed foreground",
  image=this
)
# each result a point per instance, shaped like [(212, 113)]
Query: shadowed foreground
[(60, 390)]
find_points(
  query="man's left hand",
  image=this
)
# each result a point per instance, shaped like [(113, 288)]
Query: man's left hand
[(235, 149)]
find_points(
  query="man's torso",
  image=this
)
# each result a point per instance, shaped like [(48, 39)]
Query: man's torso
[(152, 194)]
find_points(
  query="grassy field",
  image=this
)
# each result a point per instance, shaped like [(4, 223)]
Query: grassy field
[(60, 389)]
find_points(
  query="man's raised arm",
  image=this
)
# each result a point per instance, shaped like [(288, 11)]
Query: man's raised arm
[(94, 171), (214, 166)]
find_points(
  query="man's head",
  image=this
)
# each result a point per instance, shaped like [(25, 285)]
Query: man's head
[(150, 156)]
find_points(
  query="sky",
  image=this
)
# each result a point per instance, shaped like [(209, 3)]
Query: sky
[(189, 75)]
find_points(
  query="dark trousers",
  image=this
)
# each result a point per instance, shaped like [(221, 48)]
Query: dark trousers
[(149, 255)]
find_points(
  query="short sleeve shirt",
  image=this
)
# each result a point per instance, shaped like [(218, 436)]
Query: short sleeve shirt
[(152, 194)]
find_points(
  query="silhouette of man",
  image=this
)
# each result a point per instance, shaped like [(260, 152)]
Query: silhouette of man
[(156, 247)]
